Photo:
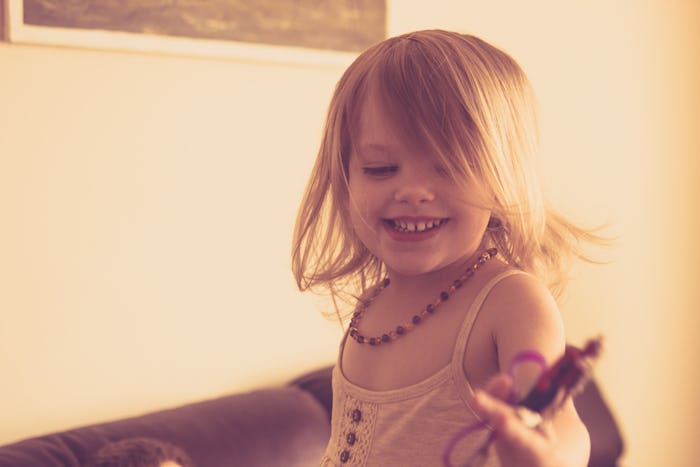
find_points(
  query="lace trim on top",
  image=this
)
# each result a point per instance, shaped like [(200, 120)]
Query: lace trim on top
[(355, 431)]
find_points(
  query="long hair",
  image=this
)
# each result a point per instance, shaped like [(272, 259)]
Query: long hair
[(473, 107)]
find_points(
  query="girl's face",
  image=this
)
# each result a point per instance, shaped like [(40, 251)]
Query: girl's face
[(403, 206)]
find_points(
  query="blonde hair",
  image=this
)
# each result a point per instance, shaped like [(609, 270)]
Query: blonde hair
[(471, 105)]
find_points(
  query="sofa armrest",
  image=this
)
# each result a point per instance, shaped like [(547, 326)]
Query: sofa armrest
[(272, 427), (607, 445), (318, 384)]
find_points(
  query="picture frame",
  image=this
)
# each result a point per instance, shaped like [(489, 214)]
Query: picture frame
[(227, 29), (3, 35)]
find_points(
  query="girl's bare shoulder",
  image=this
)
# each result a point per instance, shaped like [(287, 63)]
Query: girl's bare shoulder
[(524, 316), (521, 293)]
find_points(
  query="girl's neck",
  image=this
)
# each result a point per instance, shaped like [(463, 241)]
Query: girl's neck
[(439, 278)]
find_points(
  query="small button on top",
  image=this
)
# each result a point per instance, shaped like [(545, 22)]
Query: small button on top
[(344, 456), (356, 415), (351, 438)]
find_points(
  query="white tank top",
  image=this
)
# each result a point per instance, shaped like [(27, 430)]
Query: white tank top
[(409, 426)]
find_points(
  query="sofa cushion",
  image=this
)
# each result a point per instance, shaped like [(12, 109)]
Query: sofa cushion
[(607, 444), (272, 427), (318, 383)]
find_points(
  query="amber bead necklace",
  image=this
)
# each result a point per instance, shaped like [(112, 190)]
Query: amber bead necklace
[(418, 318)]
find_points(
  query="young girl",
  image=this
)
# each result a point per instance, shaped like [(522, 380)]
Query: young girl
[(423, 204)]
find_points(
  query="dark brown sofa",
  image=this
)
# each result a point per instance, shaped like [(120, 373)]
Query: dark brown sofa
[(283, 426)]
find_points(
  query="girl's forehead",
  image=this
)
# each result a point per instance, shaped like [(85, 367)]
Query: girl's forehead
[(381, 126), (375, 123)]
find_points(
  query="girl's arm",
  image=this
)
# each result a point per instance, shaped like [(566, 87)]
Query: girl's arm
[(526, 318)]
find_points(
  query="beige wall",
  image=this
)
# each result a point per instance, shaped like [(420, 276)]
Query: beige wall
[(147, 206), (147, 203)]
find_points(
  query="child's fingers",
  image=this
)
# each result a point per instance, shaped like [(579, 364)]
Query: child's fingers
[(517, 440), (500, 386), (490, 406)]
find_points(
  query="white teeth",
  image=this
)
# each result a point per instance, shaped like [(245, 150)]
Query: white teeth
[(403, 226)]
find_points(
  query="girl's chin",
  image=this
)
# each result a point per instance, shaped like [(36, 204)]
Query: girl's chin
[(411, 264), (411, 269)]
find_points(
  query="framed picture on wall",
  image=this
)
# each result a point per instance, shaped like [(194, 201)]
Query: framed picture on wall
[(311, 32), (2, 20)]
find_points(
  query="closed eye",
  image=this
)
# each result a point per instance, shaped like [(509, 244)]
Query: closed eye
[(380, 171), (442, 171)]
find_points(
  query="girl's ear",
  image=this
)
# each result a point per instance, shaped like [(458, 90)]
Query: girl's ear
[(494, 224)]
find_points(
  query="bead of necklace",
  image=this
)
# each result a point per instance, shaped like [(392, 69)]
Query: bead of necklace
[(419, 317)]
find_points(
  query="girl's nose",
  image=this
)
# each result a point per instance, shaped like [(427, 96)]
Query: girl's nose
[(414, 192)]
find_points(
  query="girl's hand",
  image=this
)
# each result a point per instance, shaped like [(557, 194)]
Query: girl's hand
[(517, 443)]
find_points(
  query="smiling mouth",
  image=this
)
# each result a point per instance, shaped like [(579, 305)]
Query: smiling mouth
[(415, 226)]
